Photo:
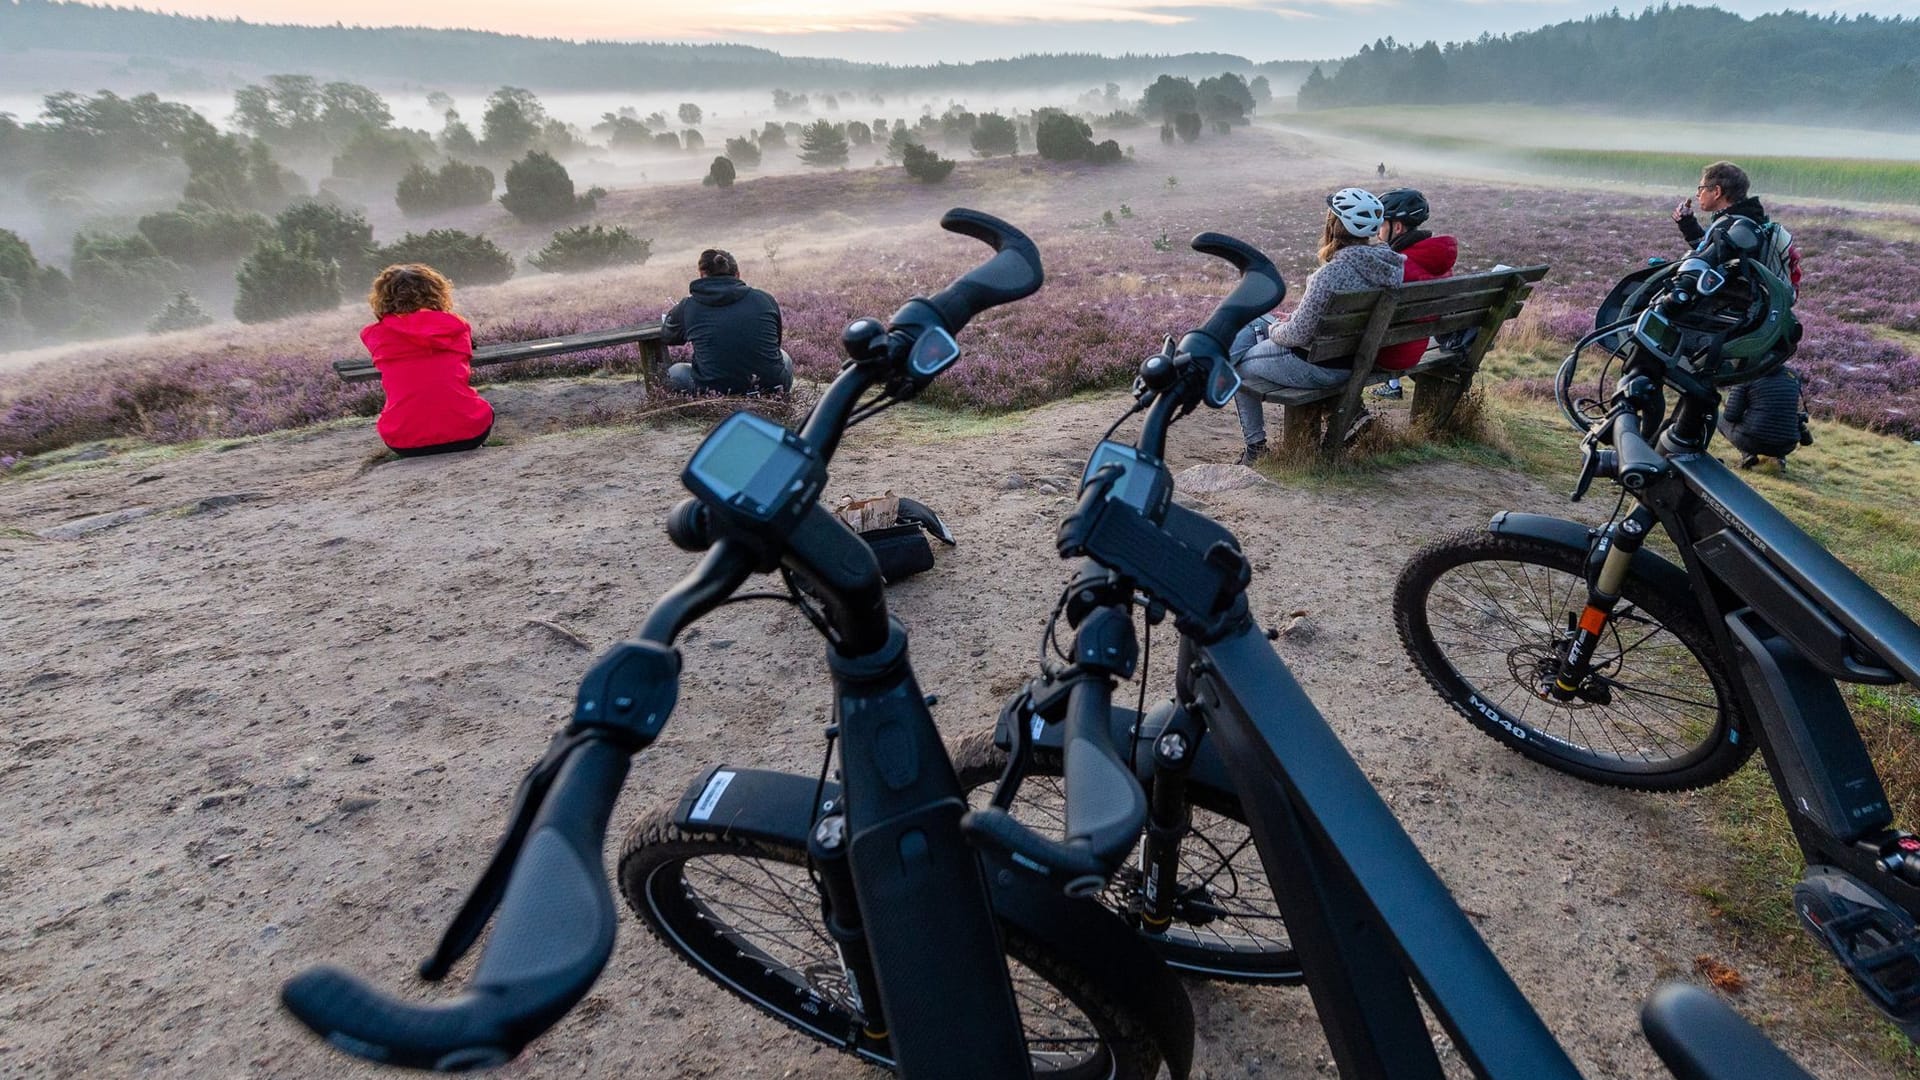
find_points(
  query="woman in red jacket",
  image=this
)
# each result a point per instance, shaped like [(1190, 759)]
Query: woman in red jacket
[(424, 353)]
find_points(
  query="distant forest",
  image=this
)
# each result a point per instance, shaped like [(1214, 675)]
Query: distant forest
[(1668, 61), (482, 58)]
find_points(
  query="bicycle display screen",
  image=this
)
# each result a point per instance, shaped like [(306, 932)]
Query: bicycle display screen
[(754, 467), (1144, 485)]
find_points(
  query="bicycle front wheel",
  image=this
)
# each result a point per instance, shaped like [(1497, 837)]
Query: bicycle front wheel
[(747, 916), (1487, 619)]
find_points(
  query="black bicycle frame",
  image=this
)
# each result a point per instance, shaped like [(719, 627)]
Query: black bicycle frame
[(1793, 620)]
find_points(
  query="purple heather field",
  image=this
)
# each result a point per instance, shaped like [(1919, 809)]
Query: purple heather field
[(1111, 292)]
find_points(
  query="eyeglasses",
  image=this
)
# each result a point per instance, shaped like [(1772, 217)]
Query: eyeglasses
[(1704, 187)]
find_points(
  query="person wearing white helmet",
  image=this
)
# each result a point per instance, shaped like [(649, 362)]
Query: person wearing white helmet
[(1349, 262)]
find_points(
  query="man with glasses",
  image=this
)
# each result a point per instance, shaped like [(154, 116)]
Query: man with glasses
[(1722, 191)]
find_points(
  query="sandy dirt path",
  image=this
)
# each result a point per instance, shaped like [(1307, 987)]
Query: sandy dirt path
[(277, 720)]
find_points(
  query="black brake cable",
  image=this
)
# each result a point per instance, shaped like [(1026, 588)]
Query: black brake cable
[(1140, 709), (1053, 620)]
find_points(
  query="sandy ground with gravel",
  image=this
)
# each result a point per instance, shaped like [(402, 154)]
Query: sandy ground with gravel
[(274, 715)]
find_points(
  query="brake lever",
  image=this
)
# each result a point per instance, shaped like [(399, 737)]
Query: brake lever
[(1589, 468)]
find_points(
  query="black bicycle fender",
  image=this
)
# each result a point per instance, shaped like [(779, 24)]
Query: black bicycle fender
[(1648, 566), (775, 807)]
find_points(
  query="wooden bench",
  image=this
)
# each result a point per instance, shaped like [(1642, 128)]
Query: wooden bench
[(1358, 325), (653, 354)]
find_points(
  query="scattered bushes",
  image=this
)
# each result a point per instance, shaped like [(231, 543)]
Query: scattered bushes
[(281, 279), (539, 189), (1187, 126), (425, 191), (195, 233), (591, 247), (183, 313), (719, 174), (380, 156), (467, 258), (924, 165), (1060, 137), (119, 277), (743, 153), (328, 231), (995, 134), (823, 143)]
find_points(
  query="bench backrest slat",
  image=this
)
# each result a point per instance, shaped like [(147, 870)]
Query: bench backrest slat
[(1438, 288), (1405, 314), (1345, 345)]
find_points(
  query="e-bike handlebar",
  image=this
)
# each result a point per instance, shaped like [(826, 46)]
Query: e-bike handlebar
[(1260, 289), (556, 915), (555, 933), (1105, 808), (1013, 273)]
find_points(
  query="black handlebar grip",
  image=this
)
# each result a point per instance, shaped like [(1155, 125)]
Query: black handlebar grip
[(1699, 1037), (1013, 273), (1105, 807), (554, 935), (1260, 290), (1639, 463)]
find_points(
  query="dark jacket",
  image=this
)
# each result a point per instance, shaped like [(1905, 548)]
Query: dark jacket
[(1750, 209), (1763, 416), (735, 330)]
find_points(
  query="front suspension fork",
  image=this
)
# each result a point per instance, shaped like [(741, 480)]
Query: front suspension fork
[(1168, 822), (840, 909), (1618, 545)]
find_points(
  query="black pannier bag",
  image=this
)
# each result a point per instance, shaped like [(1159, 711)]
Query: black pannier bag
[(896, 529)]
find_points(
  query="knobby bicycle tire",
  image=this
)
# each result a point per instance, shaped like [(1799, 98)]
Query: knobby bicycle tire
[(1235, 933), (1485, 616), (773, 952)]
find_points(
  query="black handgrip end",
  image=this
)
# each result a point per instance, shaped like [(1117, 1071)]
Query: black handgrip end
[(1260, 290), (1699, 1037), (1073, 866), (1013, 273), (1221, 246)]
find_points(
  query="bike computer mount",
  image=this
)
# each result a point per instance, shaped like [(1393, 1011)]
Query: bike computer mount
[(756, 473)]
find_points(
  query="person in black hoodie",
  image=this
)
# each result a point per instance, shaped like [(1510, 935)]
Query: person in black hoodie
[(735, 330), (1762, 418), (1723, 190)]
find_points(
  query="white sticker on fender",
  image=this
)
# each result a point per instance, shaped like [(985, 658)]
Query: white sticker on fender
[(710, 798)]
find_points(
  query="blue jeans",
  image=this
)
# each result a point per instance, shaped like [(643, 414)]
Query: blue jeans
[(1274, 367)]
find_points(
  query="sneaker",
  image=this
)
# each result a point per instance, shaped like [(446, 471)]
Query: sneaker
[(1254, 452), (1749, 461), (1389, 390), (1360, 424)]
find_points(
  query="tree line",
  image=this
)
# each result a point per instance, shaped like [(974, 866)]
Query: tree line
[(454, 56), (1670, 60)]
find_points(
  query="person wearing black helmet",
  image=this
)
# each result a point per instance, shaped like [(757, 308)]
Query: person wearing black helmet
[(1428, 257)]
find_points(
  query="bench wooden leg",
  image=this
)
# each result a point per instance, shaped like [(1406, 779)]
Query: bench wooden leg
[(1301, 430), (1435, 395), (653, 366)]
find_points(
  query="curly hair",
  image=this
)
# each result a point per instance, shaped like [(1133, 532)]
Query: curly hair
[(407, 287)]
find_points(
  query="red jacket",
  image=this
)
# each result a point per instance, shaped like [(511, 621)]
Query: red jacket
[(425, 359), (1427, 258)]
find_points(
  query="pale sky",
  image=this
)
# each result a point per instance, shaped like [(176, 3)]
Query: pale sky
[(925, 31)]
